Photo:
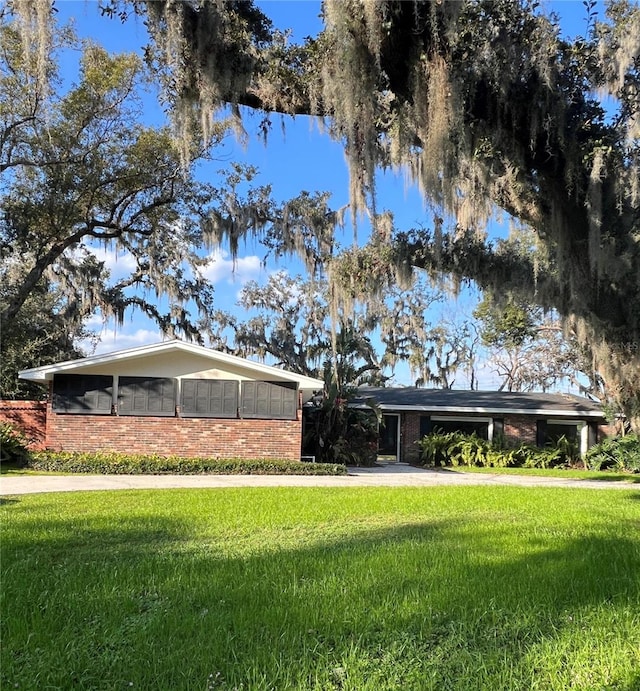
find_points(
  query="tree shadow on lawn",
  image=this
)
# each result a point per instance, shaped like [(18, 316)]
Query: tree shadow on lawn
[(605, 476), (424, 605), (630, 478)]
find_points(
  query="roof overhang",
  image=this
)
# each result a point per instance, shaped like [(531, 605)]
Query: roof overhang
[(255, 370), (469, 410)]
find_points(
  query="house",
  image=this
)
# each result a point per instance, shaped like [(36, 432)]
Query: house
[(410, 413), (174, 398)]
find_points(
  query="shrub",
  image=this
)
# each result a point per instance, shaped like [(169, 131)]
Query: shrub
[(434, 449), (546, 457), (337, 433), (469, 451), (569, 450), (14, 445), (107, 463), (459, 449), (619, 453)]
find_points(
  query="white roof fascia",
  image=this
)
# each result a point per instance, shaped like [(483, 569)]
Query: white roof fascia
[(46, 372), (545, 412)]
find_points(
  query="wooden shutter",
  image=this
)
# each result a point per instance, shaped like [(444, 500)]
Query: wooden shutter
[(147, 396), (248, 399), (287, 399), (82, 393), (269, 400), (209, 398), (425, 426)]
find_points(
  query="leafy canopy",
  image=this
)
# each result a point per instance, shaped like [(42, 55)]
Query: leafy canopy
[(482, 103)]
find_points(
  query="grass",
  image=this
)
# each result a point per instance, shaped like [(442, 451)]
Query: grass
[(567, 473), (365, 589), (10, 469)]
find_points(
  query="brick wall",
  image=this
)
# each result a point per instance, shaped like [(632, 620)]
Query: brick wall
[(29, 417), (222, 438), (519, 428), (410, 434), (614, 429)]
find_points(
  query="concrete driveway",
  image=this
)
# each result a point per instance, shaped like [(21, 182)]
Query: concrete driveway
[(390, 475)]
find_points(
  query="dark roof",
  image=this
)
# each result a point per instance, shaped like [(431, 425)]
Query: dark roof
[(452, 401)]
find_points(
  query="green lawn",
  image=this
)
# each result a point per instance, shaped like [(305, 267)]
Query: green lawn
[(565, 473), (289, 588)]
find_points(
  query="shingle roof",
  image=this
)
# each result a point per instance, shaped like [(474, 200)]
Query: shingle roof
[(461, 401)]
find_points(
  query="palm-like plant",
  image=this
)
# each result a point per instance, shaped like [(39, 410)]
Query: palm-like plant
[(336, 431)]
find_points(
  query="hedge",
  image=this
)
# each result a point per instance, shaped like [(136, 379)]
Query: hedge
[(126, 464)]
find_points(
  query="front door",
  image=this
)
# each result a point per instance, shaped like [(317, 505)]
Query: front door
[(389, 438)]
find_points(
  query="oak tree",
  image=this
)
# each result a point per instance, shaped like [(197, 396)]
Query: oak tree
[(83, 180), (484, 104)]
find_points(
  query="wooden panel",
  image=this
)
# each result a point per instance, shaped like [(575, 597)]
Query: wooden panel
[(147, 396), (81, 393), (269, 400), (209, 398)]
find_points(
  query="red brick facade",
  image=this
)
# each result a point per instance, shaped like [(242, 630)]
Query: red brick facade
[(613, 429), (517, 428), (212, 437), (409, 436), (216, 438), (29, 417)]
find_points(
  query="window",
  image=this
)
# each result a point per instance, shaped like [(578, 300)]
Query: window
[(549, 431), (264, 399), (557, 430), (208, 398), (147, 396), (82, 393), (468, 425)]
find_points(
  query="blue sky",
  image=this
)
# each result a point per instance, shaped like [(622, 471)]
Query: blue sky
[(301, 158)]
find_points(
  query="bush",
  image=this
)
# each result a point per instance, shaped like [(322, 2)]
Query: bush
[(569, 450), (468, 450), (106, 463), (619, 453), (459, 449), (545, 457), (14, 445), (336, 433), (434, 449)]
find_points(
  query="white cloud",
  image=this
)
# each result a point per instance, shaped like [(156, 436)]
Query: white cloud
[(222, 268), (115, 339), (118, 263), (95, 322)]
